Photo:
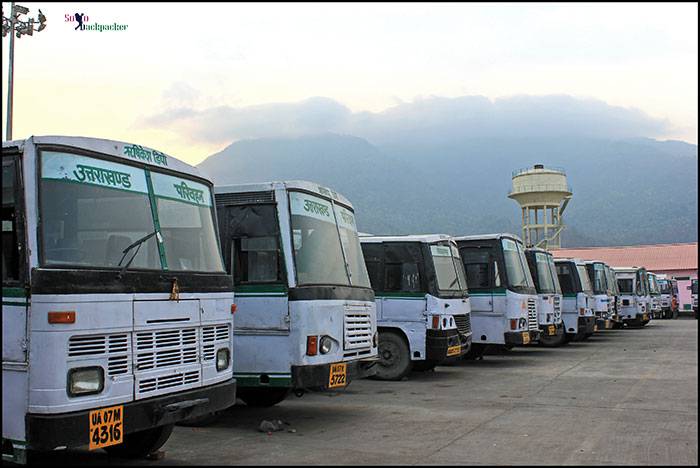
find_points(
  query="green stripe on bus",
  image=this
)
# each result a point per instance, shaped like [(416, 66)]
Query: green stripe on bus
[(260, 288), (14, 292), (401, 295), (570, 295), (17, 304), (254, 381)]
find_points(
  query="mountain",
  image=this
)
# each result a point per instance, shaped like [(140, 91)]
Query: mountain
[(626, 191)]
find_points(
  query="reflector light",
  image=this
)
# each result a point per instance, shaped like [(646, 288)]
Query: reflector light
[(234, 308), (312, 345), (513, 324), (62, 317), (436, 322)]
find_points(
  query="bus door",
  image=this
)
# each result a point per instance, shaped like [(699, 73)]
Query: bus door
[(251, 243), (403, 287), (15, 292)]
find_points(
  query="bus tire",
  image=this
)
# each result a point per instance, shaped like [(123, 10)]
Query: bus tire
[(201, 421), (261, 397), (424, 366), (140, 444), (394, 357)]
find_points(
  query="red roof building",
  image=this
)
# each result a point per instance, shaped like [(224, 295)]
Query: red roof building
[(675, 260)]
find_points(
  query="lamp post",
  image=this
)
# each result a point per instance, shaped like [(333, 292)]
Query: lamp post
[(14, 26)]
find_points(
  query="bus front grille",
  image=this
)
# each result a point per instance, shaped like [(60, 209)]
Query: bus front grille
[(164, 382), (532, 315), (464, 324), (211, 336), (164, 348), (358, 331), (115, 348)]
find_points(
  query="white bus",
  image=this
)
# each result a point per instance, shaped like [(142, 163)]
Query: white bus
[(602, 299), (694, 295), (549, 296), (117, 311), (614, 293), (501, 291), (306, 318), (655, 295), (422, 301), (577, 309), (632, 282), (668, 287)]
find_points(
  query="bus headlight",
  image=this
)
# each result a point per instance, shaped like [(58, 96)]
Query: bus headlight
[(85, 381), (222, 359), (326, 344)]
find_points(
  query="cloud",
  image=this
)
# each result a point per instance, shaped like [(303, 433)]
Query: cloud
[(427, 119)]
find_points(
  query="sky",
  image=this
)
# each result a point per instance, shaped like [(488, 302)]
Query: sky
[(219, 60)]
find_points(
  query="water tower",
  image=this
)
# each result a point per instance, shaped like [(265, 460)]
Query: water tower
[(543, 194)]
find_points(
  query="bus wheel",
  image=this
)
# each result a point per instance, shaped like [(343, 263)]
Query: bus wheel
[(201, 421), (262, 397), (394, 357), (141, 443), (423, 366)]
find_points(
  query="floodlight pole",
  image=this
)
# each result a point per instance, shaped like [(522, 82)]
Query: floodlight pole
[(11, 73)]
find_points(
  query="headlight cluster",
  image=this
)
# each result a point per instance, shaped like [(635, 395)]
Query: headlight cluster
[(223, 358), (85, 381)]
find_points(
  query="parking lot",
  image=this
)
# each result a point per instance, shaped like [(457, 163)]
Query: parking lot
[(622, 397)]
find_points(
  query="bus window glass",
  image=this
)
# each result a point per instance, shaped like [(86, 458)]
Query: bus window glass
[(187, 224), (259, 260), (317, 249), (544, 276), (553, 273), (402, 277), (585, 281), (476, 264), (626, 285), (599, 283), (351, 246), (91, 210), (445, 271), (459, 266), (566, 279), (518, 276), (10, 251)]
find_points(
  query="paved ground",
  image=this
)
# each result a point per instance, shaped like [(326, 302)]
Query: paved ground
[(623, 397)]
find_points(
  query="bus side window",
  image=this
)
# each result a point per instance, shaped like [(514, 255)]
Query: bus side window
[(11, 235), (401, 268), (250, 242), (481, 269), (566, 280), (373, 254)]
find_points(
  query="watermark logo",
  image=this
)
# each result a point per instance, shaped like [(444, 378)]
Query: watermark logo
[(84, 23)]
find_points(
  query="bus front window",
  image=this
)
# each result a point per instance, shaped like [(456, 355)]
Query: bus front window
[(91, 210), (585, 281), (186, 224), (553, 273), (448, 276), (626, 285), (514, 257), (544, 274), (318, 254), (351, 247), (599, 282)]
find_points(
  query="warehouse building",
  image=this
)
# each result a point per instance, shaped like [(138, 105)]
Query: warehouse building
[(679, 261)]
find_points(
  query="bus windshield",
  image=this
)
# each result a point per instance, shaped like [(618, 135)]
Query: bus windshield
[(544, 274), (612, 284), (585, 281), (653, 285), (516, 265), (664, 286), (448, 268), (326, 246), (626, 285), (93, 209), (553, 272), (599, 281)]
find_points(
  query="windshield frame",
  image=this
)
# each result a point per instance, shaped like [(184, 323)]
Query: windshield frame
[(543, 272), (152, 200), (584, 280), (346, 266)]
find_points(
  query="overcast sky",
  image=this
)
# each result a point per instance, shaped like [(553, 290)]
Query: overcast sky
[(221, 60)]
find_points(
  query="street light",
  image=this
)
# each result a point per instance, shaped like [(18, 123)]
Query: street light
[(19, 27)]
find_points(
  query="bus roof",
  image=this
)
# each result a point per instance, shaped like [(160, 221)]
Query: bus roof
[(577, 261), (632, 269), (119, 149), (306, 185), (425, 238), (496, 236), (538, 250)]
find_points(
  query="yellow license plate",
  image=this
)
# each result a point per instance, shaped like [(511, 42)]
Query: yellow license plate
[(106, 427), (645, 317), (454, 350), (608, 324), (338, 376), (526, 337), (595, 327), (552, 330)]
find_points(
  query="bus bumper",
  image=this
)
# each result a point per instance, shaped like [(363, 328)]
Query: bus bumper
[(602, 323), (317, 377), (443, 344), (586, 325), (50, 431), (521, 338), (551, 330)]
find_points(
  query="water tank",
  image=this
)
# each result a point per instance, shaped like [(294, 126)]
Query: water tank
[(543, 194)]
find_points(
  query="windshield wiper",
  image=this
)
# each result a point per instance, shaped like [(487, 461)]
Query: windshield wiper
[(138, 245)]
